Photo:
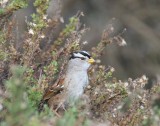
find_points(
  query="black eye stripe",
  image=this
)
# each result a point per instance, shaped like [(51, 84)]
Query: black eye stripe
[(73, 56), (82, 58)]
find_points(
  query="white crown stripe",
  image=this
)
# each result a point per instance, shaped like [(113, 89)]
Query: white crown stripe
[(78, 55), (85, 52)]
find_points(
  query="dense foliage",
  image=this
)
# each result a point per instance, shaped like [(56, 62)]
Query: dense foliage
[(27, 71)]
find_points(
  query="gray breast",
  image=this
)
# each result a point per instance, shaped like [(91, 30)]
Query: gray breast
[(75, 85)]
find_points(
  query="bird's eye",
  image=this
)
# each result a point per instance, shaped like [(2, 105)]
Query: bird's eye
[(82, 58)]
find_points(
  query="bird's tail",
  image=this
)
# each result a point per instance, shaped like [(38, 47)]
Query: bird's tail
[(41, 105)]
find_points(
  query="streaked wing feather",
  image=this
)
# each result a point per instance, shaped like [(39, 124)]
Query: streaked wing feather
[(54, 89)]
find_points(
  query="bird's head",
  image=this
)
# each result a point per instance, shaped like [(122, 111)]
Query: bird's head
[(81, 59)]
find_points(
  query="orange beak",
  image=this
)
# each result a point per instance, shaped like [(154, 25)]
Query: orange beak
[(91, 60)]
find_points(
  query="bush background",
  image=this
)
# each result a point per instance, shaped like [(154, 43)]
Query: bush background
[(36, 38)]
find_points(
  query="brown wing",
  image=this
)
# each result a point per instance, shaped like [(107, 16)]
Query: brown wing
[(51, 92), (54, 89)]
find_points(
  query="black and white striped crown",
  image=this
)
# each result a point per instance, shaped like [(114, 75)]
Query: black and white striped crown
[(80, 54)]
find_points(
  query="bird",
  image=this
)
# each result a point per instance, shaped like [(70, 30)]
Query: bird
[(69, 88)]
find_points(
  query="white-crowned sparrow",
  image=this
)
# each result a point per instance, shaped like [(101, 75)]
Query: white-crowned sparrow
[(68, 89)]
